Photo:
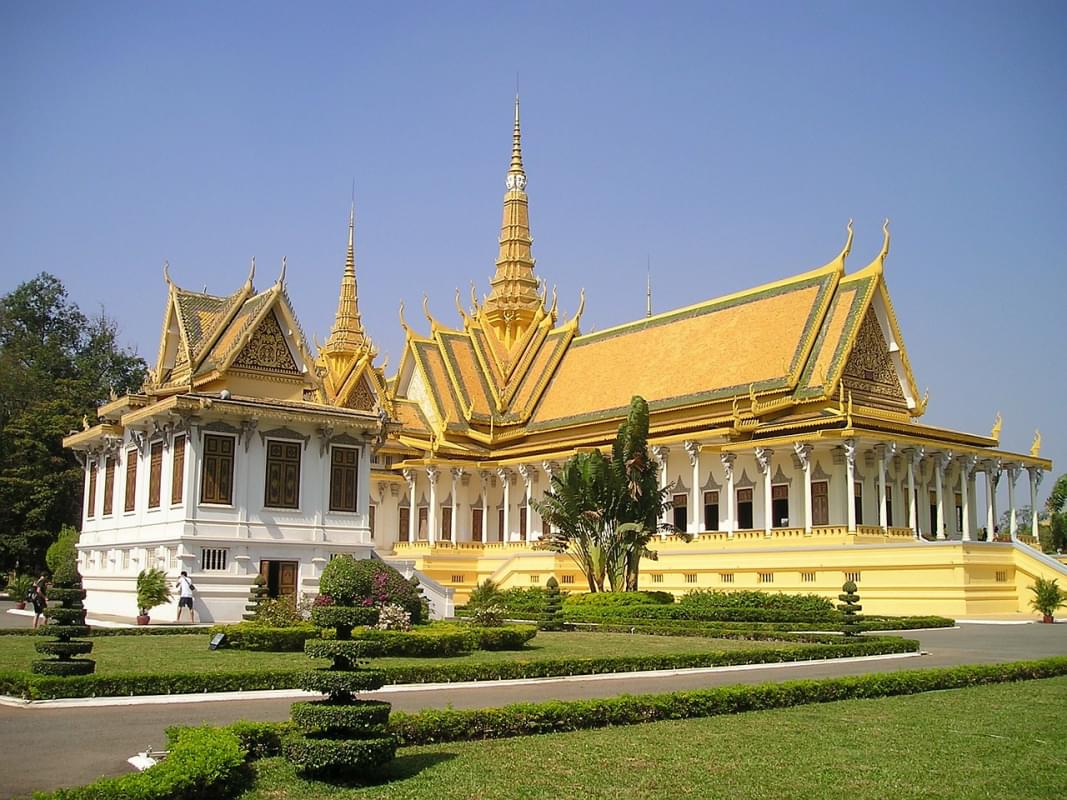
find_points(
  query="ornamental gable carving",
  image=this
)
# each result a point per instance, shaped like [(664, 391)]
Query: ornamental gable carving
[(361, 398), (869, 372), (267, 351)]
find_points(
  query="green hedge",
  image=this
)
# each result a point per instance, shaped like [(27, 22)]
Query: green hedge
[(45, 688), (433, 641), (338, 755), (251, 636), (679, 611), (523, 719), (203, 762), (714, 599), (618, 599), (322, 715), (140, 630)]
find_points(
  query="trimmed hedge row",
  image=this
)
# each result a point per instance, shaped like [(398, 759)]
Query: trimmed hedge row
[(44, 688), (618, 599), (524, 719), (250, 636), (715, 599), (140, 630), (203, 762), (679, 611)]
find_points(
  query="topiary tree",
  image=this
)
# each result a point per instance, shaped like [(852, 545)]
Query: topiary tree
[(850, 609), (484, 594), (67, 619), (257, 595), (340, 734), (552, 612)]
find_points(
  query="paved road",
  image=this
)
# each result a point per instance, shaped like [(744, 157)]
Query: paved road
[(80, 744)]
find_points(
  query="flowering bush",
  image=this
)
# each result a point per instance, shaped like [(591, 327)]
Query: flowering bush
[(490, 616), (323, 600), (392, 617), (369, 583), (279, 612)]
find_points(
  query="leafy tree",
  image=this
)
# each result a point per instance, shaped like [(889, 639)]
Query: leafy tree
[(1058, 497), (56, 367), (552, 612), (604, 511)]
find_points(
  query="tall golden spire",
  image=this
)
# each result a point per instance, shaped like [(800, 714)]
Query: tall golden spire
[(347, 335), (513, 301)]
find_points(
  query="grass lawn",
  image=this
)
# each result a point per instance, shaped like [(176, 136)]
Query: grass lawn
[(1003, 741), (154, 654)]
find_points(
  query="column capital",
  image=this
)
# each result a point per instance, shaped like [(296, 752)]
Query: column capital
[(967, 464), (1036, 474), (458, 473), (692, 449), (432, 473), (409, 476), (803, 453), (1013, 471), (550, 468), (851, 448), (727, 460), (660, 452), (528, 473), (763, 459), (505, 475), (886, 450), (914, 455)]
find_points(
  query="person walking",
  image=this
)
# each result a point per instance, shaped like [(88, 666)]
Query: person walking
[(185, 596), (39, 598)]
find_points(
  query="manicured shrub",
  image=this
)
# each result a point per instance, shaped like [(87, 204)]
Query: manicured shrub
[(277, 612), (257, 595), (709, 600), (504, 637), (368, 582), (526, 603), (552, 611), (258, 739), (203, 763), (850, 608), (618, 599), (341, 734), (436, 641), (66, 620), (343, 618), (253, 636), (682, 611)]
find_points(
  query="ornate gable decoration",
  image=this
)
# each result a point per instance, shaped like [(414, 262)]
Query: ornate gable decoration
[(869, 372), (267, 351), (361, 398)]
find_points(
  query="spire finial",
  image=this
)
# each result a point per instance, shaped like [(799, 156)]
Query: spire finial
[(516, 179), (648, 288), (347, 335), (350, 254)]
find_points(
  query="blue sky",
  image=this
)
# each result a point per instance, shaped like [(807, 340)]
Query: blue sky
[(727, 142)]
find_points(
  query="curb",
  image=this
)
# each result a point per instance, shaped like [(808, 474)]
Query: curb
[(282, 694)]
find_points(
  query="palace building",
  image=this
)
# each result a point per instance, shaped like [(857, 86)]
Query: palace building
[(796, 461)]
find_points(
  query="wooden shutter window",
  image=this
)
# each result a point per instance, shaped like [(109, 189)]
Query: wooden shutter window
[(404, 529), (90, 512), (216, 484), (371, 510), (820, 503), (476, 524), (446, 522), (344, 471), (155, 474), (177, 477), (283, 475), (109, 485), (131, 480)]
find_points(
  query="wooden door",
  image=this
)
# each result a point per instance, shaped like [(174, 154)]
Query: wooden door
[(405, 524), (287, 571), (820, 503)]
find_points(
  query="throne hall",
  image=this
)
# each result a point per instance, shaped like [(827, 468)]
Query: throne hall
[(795, 462)]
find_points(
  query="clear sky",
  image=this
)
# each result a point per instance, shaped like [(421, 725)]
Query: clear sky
[(727, 142)]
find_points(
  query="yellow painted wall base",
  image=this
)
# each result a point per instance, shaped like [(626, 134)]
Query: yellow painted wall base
[(895, 574)]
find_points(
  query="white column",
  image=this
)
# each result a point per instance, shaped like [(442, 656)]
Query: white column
[(483, 479), (550, 468), (527, 473), (1036, 473), (940, 461), (966, 465), (912, 456), (731, 495), (692, 449), (505, 477), (431, 521), (883, 518), (660, 453), (413, 511), (803, 452), (850, 478), (1013, 522), (457, 474), (992, 477), (763, 459)]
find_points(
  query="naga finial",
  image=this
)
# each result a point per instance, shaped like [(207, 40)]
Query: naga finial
[(166, 273), (459, 308), (251, 271), (403, 322), (1035, 446), (581, 304), (998, 423), (281, 275), (885, 241)]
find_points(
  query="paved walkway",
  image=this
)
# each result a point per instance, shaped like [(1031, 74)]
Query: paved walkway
[(47, 748)]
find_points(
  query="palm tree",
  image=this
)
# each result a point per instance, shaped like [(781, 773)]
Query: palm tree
[(604, 512)]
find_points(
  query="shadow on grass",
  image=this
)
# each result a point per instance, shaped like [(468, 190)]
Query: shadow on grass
[(400, 768)]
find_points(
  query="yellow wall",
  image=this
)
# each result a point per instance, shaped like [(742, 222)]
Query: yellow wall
[(895, 575)]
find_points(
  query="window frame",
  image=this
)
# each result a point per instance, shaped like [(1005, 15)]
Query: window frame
[(155, 475), (109, 487), (284, 461), (129, 495), (205, 456), (90, 505), (178, 454), (354, 469)]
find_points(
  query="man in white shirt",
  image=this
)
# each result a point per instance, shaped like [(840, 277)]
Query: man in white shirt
[(185, 596)]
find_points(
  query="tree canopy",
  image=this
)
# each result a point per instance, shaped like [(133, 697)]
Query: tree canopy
[(56, 366)]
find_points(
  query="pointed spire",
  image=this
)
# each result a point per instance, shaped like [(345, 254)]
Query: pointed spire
[(347, 334), (513, 301)]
